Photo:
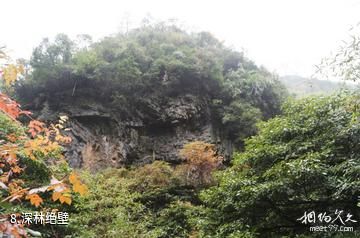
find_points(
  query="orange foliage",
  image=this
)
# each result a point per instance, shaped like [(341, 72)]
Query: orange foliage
[(77, 185), (63, 197), (35, 127), (35, 199), (200, 160), (42, 141), (10, 107)]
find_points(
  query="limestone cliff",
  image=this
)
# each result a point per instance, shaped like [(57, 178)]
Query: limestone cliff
[(153, 128), (137, 97)]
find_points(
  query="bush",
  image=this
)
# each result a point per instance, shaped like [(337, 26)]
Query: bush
[(200, 160)]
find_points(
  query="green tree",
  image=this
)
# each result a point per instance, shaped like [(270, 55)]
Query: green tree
[(306, 160)]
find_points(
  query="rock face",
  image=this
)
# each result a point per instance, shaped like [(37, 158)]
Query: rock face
[(156, 130)]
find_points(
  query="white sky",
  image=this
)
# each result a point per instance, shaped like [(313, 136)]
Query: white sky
[(286, 36)]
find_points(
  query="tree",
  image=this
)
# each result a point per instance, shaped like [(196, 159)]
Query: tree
[(305, 160), (26, 174), (200, 160)]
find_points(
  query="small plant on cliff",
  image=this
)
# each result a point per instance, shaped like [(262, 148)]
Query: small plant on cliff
[(200, 160)]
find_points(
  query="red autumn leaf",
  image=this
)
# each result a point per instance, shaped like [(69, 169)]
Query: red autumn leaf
[(35, 127), (10, 107)]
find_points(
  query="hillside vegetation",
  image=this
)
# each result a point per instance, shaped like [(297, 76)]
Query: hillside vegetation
[(159, 132), (144, 94)]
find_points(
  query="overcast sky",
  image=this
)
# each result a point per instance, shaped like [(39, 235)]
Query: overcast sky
[(286, 36)]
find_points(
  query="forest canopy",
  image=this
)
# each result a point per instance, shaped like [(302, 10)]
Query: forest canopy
[(156, 61)]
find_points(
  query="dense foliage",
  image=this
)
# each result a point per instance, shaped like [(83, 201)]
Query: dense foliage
[(305, 160), (155, 62), (30, 162), (154, 200)]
